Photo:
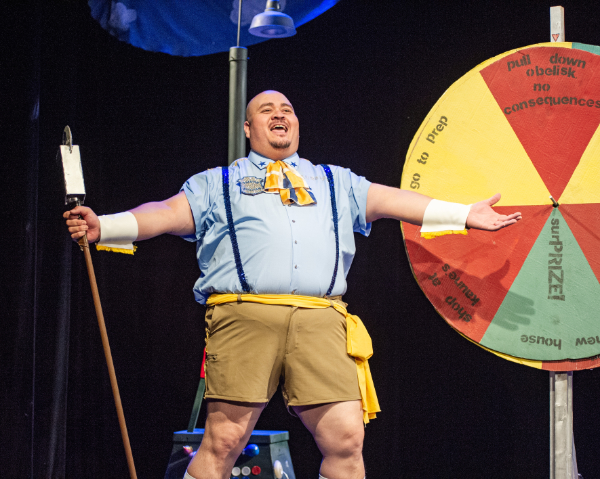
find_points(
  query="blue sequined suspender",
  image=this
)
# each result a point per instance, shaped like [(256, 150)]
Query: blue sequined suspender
[(335, 226), (236, 250), (232, 235)]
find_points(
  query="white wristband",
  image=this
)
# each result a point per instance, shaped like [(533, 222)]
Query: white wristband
[(118, 231), (444, 216)]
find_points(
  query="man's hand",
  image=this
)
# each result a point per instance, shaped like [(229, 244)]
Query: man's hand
[(483, 217), (78, 227)]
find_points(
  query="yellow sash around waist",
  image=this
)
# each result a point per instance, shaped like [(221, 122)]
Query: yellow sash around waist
[(358, 340)]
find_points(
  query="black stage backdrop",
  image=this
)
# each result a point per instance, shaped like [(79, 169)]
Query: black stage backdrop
[(362, 77)]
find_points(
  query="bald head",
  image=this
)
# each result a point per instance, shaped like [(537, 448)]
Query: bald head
[(256, 102), (271, 125)]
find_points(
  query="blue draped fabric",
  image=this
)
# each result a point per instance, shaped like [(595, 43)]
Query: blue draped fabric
[(192, 27)]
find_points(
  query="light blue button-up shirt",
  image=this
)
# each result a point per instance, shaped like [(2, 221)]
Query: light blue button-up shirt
[(284, 249)]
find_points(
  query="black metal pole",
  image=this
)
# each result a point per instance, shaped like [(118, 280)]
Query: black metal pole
[(238, 62)]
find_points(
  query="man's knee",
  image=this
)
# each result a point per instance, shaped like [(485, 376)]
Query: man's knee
[(225, 440), (351, 442), (346, 442), (337, 427)]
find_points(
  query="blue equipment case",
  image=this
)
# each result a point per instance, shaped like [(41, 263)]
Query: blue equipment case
[(272, 446)]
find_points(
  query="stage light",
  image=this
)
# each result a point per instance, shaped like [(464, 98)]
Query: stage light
[(272, 23)]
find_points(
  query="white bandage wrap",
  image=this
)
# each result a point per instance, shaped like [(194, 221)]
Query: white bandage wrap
[(188, 476), (118, 231), (443, 216)]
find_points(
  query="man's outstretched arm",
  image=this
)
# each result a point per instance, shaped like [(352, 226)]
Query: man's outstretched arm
[(386, 202), (172, 216)]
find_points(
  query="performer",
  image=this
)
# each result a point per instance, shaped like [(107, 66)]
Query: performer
[(274, 236)]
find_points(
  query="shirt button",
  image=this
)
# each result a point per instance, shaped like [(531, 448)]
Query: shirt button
[(295, 242), (296, 267), (293, 221)]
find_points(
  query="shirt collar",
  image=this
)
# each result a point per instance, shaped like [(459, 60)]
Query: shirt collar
[(261, 161)]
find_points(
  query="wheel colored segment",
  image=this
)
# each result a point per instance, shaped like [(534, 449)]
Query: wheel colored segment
[(572, 365), (584, 185), (551, 98), (464, 152), (467, 278), (588, 48), (584, 222), (511, 291), (546, 313)]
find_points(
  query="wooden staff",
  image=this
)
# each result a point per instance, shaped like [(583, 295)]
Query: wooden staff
[(74, 196)]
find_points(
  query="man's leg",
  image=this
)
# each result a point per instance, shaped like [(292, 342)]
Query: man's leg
[(227, 430), (339, 431)]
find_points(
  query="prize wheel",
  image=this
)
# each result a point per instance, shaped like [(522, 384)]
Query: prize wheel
[(524, 124)]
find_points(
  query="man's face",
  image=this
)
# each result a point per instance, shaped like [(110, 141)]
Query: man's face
[(272, 126)]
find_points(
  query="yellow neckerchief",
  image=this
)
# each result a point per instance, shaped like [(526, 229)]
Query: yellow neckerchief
[(358, 340), (298, 192)]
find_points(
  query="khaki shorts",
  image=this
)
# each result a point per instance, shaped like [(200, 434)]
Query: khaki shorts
[(252, 347)]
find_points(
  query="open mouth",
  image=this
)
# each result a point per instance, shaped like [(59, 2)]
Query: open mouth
[(279, 128)]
